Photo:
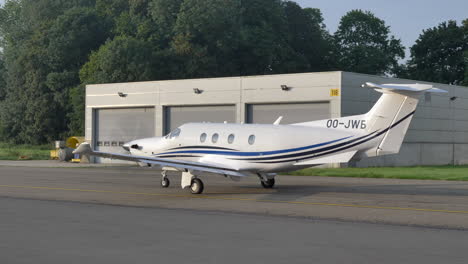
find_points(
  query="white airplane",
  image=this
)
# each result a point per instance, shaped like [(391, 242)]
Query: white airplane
[(262, 150)]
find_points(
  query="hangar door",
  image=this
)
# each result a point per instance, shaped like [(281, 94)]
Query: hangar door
[(174, 116), (291, 112), (114, 127)]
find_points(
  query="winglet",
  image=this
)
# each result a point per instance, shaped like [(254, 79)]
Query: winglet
[(416, 87), (278, 121), (83, 148)]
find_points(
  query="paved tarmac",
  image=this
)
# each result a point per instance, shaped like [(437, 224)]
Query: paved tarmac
[(117, 215), (36, 231), (404, 202)]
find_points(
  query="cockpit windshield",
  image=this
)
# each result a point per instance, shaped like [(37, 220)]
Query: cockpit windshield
[(174, 134)]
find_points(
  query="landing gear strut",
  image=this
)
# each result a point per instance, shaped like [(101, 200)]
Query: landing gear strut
[(164, 181)]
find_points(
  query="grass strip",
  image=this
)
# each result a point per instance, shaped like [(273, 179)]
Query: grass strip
[(24, 152), (449, 173)]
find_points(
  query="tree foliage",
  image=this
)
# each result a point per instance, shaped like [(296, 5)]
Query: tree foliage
[(123, 59), (364, 45), (439, 54), (45, 44), (51, 49)]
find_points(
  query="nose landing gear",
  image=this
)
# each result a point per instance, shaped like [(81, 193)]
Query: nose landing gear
[(164, 181)]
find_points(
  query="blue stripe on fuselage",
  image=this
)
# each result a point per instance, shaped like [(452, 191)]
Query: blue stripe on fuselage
[(247, 154), (333, 149), (297, 155)]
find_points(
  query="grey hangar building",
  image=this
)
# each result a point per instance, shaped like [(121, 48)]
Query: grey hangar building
[(120, 112)]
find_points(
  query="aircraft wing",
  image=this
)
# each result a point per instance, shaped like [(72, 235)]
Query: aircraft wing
[(338, 158), (86, 149)]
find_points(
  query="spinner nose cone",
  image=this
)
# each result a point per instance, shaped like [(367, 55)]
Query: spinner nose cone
[(130, 146)]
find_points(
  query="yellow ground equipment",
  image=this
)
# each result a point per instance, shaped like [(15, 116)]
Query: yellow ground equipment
[(73, 143), (54, 154), (63, 149)]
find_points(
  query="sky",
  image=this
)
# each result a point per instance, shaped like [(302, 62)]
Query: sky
[(406, 18)]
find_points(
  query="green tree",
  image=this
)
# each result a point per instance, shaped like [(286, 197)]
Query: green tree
[(123, 59), (465, 28), (308, 37), (44, 43), (72, 37), (438, 55), (164, 14), (249, 37), (77, 114), (112, 9), (465, 82), (2, 79), (206, 37), (52, 48), (363, 44), (264, 41)]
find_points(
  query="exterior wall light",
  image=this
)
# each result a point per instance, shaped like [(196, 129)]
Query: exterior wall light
[(122, 94), (197, 91), (453, 98), (285, 87)]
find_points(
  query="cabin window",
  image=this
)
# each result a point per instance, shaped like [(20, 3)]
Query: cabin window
[(231, 138), (214, 138), (203, 137), (252, 139)]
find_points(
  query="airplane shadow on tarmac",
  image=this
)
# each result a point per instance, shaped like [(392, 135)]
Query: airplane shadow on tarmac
[(287, 190), (296, 192)]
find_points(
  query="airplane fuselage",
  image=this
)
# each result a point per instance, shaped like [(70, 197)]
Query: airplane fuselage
[(240, 150), (249, 147)]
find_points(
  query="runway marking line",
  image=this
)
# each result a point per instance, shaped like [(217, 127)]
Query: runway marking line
[(241, 199)]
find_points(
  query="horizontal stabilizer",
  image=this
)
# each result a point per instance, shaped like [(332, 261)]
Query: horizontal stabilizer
[(416, 87), (83, 148), (338, 158)]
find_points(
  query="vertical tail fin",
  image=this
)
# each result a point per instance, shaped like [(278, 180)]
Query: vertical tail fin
[(392, 114)]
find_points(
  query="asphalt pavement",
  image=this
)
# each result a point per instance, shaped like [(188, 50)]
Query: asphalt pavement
[(122, 215), (37, 231)]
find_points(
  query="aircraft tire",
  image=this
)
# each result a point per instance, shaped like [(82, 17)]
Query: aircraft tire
[(197, 186), (268, 184), (165, 183)]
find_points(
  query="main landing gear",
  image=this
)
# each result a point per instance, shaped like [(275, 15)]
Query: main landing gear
[(196, 186), (268, 184), (188, 180), (267, 180)]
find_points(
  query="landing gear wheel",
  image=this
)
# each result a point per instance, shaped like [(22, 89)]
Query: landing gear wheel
[(197, 186), (268, 184), (165, 182)]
